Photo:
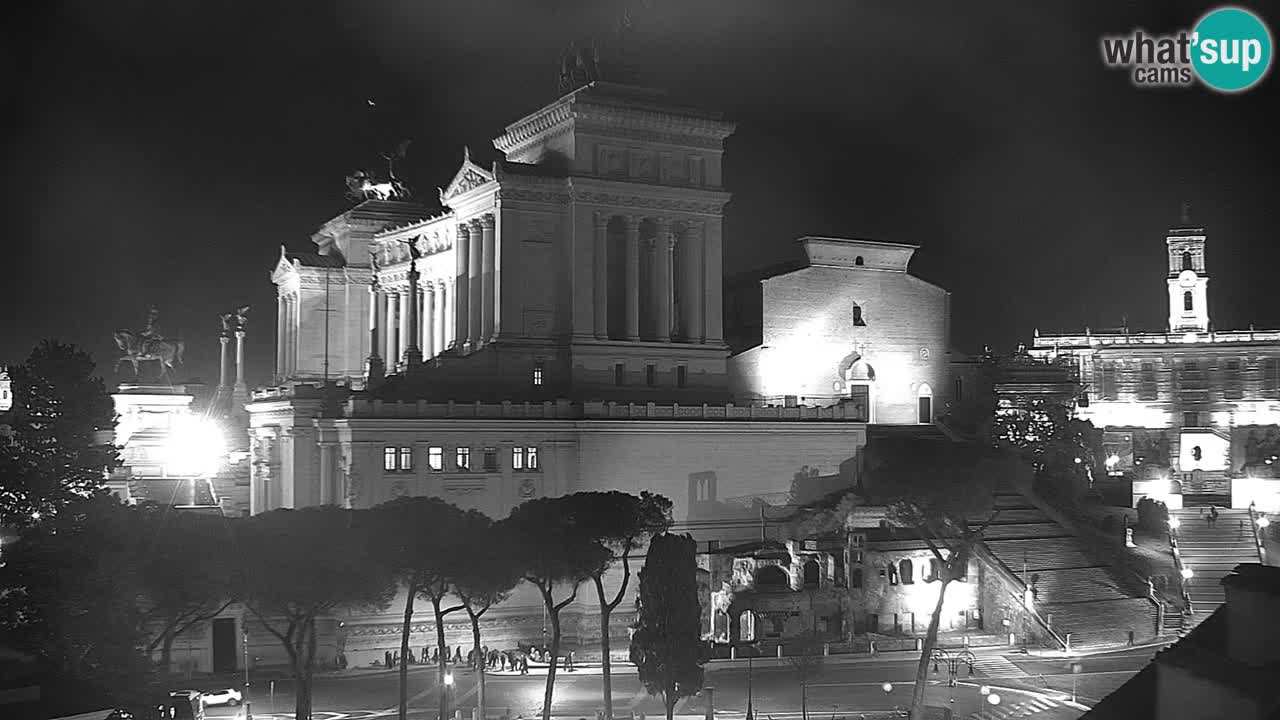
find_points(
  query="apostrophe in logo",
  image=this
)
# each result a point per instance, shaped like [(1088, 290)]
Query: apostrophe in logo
[(1231, 49)]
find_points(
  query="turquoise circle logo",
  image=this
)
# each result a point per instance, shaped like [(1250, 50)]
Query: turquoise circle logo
[(1232, 49)]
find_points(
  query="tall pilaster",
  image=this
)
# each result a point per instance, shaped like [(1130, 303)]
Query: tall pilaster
[(291, 356), (475, 285), (429, 344), (389, 328), (412, 320), (664, 245), (488, 269), (714, 279), (448, 315), (404, 305), (632, 279), (601, 277), (462, 290), (690, 252), (374, 369), (326, 494)]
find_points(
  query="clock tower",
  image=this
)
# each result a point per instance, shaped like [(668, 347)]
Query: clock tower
[(1188, 282)]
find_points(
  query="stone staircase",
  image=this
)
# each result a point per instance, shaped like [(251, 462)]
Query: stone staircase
[(1212, 553), (1075, 592)]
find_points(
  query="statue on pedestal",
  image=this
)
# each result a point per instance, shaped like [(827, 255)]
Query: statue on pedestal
[(149, 344)]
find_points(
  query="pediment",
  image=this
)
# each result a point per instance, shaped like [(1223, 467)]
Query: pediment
[(284, 268), (469, 177)]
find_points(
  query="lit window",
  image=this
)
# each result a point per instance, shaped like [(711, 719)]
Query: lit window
[(517, 458), (531, 458), (490, 459), (435, 458), (406, 459), (389, 459), (463, 458), (619, 374), (1187, 303), (650, 375), (537, 373), (907, 572), (682, 376), (857, 316)]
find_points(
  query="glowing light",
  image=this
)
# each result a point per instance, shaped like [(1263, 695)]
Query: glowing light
[(887, 687), (1078, 461), (1187, 574), (195, 446), (1174, 523), (35, 515), (985, 690), (994, 699), (448, 678), (1264, 521), (1112, 461)]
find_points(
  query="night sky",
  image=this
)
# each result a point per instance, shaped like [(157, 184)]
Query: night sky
[(163, 151)]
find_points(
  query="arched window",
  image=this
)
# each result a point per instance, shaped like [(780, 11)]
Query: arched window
[(935, 570), (907, 570), (771, 576), (924, 403), (812, 573), (1186, 261), (747, 625), (893, 574), (857, 316), (858, 261), (1187, 303)]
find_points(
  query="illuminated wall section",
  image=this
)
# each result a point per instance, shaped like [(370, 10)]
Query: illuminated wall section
[(1125, 414)]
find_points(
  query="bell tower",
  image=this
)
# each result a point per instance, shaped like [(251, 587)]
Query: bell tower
[(1188, 281)]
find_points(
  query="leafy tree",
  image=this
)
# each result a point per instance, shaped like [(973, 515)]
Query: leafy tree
[(61, 413), (621, 522), (806, 660), (486, 576), (667, 645), (553, 550), (1062, 450), (185, 571), (69, 597), (424, 539), (298, 566)]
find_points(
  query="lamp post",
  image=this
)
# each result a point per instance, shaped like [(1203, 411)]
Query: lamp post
[(1076, 669), (448, 693), (897, 709), (244, 646)]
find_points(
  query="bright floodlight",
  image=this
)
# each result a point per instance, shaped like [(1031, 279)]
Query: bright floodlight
[(1174, 523), (994, 699), (195, 446), (1113, 460), (887, 687), (985, 690), (1186, 573), (448, 678), (1264, 521)]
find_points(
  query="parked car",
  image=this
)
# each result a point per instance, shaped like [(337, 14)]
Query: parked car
[(225, 696)]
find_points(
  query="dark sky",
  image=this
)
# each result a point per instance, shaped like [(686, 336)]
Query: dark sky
[(164, 150)]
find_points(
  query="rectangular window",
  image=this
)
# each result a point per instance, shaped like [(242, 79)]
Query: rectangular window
[(682, 376), (1231, 387), (1147, 387), (517, 458), (435, 458), (650, 375), (463, 458), (1190, 419), (490, 459), (537, 373), (389, 459), (619, 374), (1109, 381), (1271, 374), (531, 458), (406, 459), (959, 390)]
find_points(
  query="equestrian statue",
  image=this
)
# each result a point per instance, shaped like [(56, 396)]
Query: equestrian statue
[(149, 344)]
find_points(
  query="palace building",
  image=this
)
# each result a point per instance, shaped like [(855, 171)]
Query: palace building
[(1189, 413), (558, 325)]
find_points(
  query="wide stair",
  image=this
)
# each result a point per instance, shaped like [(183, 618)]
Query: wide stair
[(1212, 552), (1077, 593)]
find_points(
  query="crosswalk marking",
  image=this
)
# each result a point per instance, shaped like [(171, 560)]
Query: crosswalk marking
[(997, 666)]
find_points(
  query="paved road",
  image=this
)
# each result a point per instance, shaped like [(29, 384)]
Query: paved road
[(841, 690), (1099, 675)]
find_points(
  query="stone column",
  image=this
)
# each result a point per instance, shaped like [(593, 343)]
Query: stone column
[(240, 387), (389, 328), (223, 341), (412, 320), (291, 332), (633, 277), (488, 269), (601, 282), (374, 368), (713, 318), (327, 496), (429, 344), (475, 287), (462, 291), (690, 277), (447, 314), (282, 314), (664, 245)]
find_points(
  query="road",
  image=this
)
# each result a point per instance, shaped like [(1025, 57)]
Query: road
[(840, 689)]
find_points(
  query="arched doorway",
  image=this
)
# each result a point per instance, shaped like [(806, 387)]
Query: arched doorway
[(812, 573), (924, 404), (772, 577), (860, 383), (747, 625)]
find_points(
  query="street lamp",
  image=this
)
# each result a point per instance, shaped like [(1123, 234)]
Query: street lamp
[(1187, 574), (953, 662), (448, 692), (897, 709), (1264, 522), (1174, 523)]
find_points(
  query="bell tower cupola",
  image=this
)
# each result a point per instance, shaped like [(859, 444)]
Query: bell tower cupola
[(1188, 280)]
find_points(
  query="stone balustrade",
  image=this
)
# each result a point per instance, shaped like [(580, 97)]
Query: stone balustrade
[(566, 410)]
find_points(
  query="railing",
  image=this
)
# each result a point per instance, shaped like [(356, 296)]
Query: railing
[(596, 410), (1182, 578), (1257, 533), (1009, 575)]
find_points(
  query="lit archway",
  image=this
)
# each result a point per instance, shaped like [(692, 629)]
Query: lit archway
[(924, 404)]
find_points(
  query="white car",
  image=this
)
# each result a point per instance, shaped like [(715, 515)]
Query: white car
[(229, 696)]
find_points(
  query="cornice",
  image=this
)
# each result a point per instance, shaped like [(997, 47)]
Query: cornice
[(532, 126), (635, 119), (707, 206)]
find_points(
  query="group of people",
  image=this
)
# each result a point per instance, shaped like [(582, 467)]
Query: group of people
[(496, 660)]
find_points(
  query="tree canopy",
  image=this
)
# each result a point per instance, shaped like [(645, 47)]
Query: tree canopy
[(667, 645)]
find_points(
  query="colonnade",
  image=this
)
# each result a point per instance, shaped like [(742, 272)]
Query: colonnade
[(390, 313), (676, 263)]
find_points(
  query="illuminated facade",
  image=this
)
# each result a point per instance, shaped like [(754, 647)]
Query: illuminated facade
[(1191, 413), (850, 327)]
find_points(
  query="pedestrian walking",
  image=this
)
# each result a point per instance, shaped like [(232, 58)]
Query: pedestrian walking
[(386, 658)]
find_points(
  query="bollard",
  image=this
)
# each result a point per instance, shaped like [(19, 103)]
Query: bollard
[(779, 649), (873, 647), (1012, 640), (826, 648), (733, 652), (966, 641), (919, 644)]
